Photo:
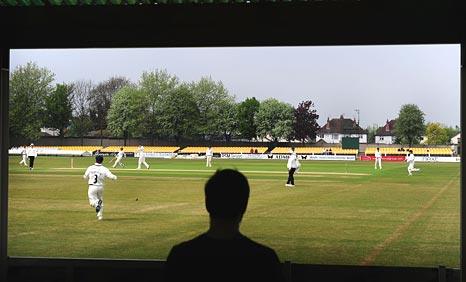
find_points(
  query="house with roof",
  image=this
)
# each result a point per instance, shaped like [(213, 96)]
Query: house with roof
[(335, 129), (456, 140), (386, 134)]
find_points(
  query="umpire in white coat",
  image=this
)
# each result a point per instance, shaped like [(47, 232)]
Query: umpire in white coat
[(293, 165)]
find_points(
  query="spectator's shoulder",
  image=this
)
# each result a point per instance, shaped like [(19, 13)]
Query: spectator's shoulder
[(188, 246), (260, 248)]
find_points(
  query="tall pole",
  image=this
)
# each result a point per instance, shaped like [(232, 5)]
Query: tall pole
[(357, 111)]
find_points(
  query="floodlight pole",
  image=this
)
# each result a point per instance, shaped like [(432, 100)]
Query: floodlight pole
[(4, 144), (357, 111)]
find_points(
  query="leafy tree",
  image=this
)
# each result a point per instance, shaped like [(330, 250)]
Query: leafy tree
[(247, 110), (29, 86), (178, 113), (228, 123), (59, 109), (452, 131), (305, 121), (409, 126), (436, 134), (371, 132), (156, 84), (100, 99), (81, 123), (126, 113), (274, 120), (211, 99)]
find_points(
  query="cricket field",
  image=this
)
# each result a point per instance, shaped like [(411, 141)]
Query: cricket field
[(338, 212)]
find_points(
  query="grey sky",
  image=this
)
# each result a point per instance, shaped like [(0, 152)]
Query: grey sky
[(375, 79)]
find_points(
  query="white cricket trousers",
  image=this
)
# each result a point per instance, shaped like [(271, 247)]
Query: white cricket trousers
[(142, 160), (378, 161), (96, 193), (118, 160), (410, 168), (24, 161), (208, 161)]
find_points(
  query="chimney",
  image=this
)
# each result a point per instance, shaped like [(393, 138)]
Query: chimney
[(341, 116)]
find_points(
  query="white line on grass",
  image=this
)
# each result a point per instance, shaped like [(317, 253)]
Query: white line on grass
[(244, 171), (401, 229)]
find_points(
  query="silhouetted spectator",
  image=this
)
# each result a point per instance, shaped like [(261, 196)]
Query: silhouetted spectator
[(251, 151), (223, 253), (255, 151)]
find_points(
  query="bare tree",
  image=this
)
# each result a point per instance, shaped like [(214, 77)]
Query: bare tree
[(81, 123), (100, 99)]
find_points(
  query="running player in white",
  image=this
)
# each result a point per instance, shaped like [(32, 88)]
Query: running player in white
[(410, 160), (142, 157), (208, 155), (378, 159), (95, 174), (120, 155), (23, 156)]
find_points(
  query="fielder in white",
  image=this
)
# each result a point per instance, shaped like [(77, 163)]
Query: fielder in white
[(410, 160), (208, 155), (378, 159), (23, 156), (142, 157), (96, 175), (120, 155)]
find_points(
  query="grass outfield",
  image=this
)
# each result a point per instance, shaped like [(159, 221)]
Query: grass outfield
[(338, 213)]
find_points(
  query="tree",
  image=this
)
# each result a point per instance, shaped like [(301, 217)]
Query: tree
[(59, 109), (409, 126), (81, 122), (100, 99), (371, 132), (228, 123), (211, 99), (274, 120), (156, 84), (436, 134), (29, 86), (126, 113), (452, 131), (246, 112), (305, 121), (178, 114)]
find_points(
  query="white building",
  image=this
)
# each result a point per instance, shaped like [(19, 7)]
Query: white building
[(456, 139), (334, 130), (385, 134)]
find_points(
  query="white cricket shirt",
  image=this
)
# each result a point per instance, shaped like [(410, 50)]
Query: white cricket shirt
[(97, 173)]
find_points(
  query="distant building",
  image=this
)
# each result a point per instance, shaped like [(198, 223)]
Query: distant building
[(335, 129), (456, 139), (49, 131), (385, 134)]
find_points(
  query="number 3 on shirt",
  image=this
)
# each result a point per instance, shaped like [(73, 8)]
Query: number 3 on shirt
[(95, 178)]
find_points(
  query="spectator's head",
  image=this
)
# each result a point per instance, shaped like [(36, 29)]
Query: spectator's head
[(226, 195), (99, 159), (121, 149), (32, 144)]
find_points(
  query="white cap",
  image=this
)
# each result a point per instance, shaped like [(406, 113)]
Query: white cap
[(32, 144)]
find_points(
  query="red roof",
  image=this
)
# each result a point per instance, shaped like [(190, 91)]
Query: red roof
[(341, 125), (387, 129)]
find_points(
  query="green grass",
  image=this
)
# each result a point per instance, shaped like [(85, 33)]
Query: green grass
[(338, 213)]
